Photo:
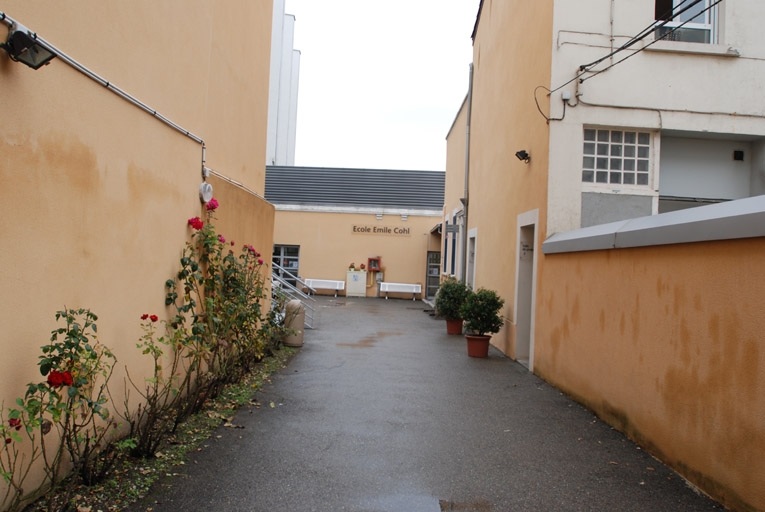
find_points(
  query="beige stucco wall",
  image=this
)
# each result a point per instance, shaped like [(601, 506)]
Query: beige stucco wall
[(454, 186), (244, 218), (99, 192), (328, 245), (198, 62), (666, 343), (511, 57)]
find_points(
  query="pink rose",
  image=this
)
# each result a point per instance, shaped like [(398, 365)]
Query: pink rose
[(222, 239), (212, 204)]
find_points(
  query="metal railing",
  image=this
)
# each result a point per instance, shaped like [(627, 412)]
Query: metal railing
[(280, 279)]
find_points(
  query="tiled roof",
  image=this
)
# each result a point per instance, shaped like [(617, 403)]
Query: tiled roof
[(324, 186)]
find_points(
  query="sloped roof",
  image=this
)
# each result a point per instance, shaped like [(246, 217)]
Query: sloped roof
[(326, 186)]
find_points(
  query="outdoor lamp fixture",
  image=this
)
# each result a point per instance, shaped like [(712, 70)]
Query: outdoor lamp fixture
[(523, 155), (22, 46)]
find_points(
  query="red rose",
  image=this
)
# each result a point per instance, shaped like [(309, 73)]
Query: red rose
[(260, 262), (66, 378), (8, 440), (15, 423), (144, 316), (55, 379), (154, 318), (196, 223), (212, 204)]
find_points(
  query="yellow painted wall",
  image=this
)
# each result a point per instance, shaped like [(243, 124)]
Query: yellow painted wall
[(98, 191), (244, 218), (668, 344), (328, 245), (511, 56), (200, 63), (454, 187)]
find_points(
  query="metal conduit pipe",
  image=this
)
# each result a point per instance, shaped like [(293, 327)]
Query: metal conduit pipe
[(465, 200), (116, 90)]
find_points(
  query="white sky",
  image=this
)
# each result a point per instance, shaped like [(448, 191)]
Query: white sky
[(380, 81)]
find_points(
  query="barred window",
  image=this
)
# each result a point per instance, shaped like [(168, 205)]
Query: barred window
[(616, 157)]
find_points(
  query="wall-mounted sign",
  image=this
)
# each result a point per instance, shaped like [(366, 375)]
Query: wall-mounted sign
[(381, 230)]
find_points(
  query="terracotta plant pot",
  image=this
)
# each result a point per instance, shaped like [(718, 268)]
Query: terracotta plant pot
[(477, 346), (453, 326)]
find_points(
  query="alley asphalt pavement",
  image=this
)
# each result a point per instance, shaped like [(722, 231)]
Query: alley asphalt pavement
[(382, 411)]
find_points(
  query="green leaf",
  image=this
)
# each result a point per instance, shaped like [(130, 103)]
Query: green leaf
[(45, 365), (72, 391)]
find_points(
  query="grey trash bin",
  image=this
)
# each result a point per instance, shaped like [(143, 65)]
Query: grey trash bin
[(295, 321)]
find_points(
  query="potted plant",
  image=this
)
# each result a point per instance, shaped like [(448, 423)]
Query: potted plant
[(482, 319), (449, 299)]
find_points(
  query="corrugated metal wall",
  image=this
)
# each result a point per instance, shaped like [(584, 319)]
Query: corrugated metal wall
[(355, 187)]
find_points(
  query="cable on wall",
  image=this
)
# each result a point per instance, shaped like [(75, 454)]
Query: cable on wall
[(116, 90), (596, 73), (586, 68)]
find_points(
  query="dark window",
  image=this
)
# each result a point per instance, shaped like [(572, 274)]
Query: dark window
[(287, 257)]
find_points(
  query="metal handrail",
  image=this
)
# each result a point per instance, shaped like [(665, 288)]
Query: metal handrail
[(293, 292), (292, 276)]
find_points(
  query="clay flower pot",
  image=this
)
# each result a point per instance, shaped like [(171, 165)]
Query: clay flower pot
[(477, 345), (453, 326)]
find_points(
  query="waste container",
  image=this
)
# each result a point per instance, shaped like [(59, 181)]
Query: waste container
[(294, 319)]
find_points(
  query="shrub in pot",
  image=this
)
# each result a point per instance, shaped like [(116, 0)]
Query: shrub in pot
[(481, 312), (449, 299)]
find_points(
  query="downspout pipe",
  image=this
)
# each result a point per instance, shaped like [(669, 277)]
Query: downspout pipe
[(465, 199), (116, 90)]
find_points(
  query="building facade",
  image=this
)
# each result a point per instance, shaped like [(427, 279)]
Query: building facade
[(328, 219), (283, 89), (617, 144)]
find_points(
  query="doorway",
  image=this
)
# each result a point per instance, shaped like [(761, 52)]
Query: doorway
[(525, 289), (470, 273), (433, 279)]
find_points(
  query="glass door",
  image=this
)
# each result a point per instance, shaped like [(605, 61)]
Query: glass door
[(432, 280)]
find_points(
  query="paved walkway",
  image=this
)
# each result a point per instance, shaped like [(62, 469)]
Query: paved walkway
[(382, 411)]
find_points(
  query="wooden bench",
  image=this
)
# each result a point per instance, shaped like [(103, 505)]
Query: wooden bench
[(325, 284), (414, 289)]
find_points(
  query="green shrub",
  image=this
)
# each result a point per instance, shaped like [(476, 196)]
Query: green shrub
[(481, 312), (450, 298)]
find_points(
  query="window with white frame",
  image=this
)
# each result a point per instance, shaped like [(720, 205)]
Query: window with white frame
[(692, 21), (616, 157)]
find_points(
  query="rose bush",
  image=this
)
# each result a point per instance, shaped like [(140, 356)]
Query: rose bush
[(218, 332), (70, 402)]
